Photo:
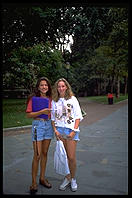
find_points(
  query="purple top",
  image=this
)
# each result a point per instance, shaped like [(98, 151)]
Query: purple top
[(39, 103)]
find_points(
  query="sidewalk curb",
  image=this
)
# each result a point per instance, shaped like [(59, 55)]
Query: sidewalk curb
[(122, 101), (17, 128)]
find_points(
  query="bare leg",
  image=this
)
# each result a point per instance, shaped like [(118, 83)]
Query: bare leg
[(35, 161), (70, 146), (43, 161)]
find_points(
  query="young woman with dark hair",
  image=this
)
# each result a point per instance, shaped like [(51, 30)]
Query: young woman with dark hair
[(39, 108)]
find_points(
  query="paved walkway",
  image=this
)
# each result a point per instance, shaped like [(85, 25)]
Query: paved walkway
[(102, 155)]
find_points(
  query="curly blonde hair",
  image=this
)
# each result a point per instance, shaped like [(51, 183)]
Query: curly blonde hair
[(55, 93)]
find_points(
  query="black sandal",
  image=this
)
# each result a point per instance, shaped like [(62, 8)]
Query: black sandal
[(45, 183), (33, 189)]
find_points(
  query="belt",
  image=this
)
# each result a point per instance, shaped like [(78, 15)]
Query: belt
[(41, 119)]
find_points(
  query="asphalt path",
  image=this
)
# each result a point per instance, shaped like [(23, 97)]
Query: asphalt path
[(102, 155)]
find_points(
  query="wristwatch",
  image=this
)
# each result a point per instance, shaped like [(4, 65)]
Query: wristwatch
[(75, 130)]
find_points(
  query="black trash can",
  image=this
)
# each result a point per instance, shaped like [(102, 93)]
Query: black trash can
[(110, 98)]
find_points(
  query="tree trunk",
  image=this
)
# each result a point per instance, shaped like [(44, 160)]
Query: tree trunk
[(85, 93), (118, 87), (112, 83), (125, 88), (98, 87)]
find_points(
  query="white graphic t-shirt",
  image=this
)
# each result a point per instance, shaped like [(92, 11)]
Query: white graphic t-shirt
[(65, 112)]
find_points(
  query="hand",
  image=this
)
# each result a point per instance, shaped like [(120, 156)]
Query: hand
[(71, 135), (46, 111), (58, 135)]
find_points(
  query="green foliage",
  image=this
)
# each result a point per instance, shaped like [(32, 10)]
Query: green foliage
[(27, 64), (32, 36)]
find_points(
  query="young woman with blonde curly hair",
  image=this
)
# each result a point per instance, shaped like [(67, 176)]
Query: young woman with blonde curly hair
[(66, 116)]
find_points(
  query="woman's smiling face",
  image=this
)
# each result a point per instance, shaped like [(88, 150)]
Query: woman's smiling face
[(43, 87), (61, 88)]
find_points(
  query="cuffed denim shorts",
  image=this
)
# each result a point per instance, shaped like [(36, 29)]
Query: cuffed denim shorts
[(66, 131), (42, 130)]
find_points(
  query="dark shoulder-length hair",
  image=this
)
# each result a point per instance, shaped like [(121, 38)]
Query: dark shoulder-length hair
[(36, 91)]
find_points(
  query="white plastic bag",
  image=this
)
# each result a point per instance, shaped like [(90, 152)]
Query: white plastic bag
[(60, 159)]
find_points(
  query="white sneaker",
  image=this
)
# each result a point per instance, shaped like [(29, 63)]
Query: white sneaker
[(73, 184), (64, 184)]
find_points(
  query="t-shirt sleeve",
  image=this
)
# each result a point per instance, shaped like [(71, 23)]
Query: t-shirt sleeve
[(53, 110), (77, 109), (29, 106)]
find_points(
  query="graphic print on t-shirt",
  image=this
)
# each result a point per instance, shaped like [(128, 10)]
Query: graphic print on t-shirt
[(63, 111)]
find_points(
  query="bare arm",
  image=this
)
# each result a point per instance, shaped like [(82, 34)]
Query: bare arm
[(35, 114), (53, 125), (72, 134), (57, 134), (77, 122)]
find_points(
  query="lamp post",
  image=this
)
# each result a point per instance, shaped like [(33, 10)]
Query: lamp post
[(67, 68)]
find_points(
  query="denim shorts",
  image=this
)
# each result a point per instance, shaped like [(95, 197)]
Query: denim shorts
[(66, 131), (42, 130)]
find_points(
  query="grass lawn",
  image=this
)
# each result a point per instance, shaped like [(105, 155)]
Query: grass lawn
[(14, 110), (104, 99), (14, 113)]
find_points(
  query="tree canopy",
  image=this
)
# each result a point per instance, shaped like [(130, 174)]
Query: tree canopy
[(34, 40)]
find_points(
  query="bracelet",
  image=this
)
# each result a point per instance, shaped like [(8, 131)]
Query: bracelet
[(75, 130)]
